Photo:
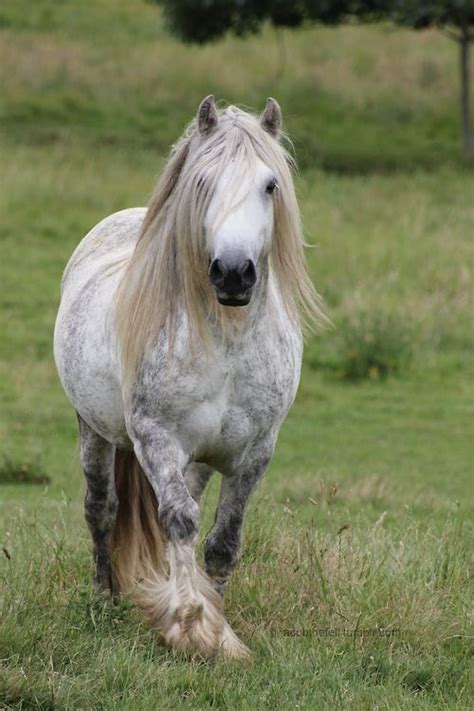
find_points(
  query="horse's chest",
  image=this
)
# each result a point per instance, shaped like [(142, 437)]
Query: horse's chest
[(240, 402), (222, 404)]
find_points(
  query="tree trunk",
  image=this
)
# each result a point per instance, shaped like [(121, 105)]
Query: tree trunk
[(465, 87)]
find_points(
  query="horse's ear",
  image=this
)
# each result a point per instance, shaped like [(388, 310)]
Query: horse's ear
[(207, 115), (271, 119)]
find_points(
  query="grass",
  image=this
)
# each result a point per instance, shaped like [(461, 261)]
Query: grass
[(353, 591), (356, 100), (366, 617)]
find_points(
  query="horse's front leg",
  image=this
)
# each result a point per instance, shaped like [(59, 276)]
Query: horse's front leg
[(185, 606), (164, 463), (223, 544)]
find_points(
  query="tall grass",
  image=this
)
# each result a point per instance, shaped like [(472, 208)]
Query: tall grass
[(359, 611)]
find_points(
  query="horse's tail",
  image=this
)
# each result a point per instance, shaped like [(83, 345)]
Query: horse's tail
[(163, 579), (138, 547)]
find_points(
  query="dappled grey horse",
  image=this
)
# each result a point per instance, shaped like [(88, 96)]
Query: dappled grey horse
[(170, 380)]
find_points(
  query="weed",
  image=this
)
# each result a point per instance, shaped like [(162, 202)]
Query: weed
[(28, 472)]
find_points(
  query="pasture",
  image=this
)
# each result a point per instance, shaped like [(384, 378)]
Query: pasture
[(353, 590)]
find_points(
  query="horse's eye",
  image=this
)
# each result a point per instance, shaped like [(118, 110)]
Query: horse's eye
[(271, 186)]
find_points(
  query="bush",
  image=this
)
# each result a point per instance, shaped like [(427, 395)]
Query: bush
[(13, 472), (374, 345), (366, 344)]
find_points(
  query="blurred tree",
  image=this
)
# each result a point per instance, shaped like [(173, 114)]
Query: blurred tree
[(206, 20), (456, 19)]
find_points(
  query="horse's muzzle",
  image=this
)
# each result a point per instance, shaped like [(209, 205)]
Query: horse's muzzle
[(233, 284)]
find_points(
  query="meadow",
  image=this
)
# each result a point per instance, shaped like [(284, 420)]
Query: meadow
[(354, 588)]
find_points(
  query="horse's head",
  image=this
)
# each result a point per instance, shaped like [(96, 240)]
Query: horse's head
[(239, 219), (223, 216)]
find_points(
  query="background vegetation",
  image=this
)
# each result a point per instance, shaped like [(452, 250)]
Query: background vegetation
[(353, 590)]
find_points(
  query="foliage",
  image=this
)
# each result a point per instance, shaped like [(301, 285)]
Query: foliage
[(440, 13), (12, 472), (370, 344), (203, 20), (206, 20), (375, 345)]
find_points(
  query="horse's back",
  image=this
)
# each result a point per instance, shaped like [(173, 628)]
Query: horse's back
[(85, 345), (110, 242)]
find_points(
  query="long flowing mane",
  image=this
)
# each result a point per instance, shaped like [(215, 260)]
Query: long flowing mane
[(167, 272)]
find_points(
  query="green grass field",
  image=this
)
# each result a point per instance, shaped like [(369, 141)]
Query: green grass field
[(353, 590)]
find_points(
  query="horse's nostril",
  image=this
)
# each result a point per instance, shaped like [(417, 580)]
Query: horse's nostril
[(232, 279), (217, 273), (248, 274)]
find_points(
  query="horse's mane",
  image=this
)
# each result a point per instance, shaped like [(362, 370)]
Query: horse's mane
[(168, 269)]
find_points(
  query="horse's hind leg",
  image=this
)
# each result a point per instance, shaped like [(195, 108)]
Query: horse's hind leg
[(97, 461)]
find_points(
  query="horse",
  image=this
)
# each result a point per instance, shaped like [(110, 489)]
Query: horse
[(179, 342)]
